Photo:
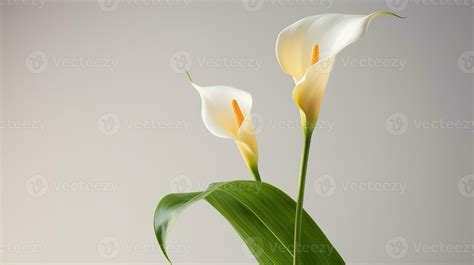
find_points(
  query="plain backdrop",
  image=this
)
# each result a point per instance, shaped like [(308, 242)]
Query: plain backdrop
[(99, 123)]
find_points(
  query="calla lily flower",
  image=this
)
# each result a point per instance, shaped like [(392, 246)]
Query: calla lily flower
[(306, 50), (226, 112)]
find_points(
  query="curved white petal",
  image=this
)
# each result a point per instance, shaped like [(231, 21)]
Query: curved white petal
[(309, 90), (247, 142), (217, 112), (332, 32)]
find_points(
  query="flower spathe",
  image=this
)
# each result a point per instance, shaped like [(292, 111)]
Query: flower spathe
[(306, 50), (226, 112)]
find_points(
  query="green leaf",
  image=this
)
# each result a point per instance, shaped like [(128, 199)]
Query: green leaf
[(261, 214)]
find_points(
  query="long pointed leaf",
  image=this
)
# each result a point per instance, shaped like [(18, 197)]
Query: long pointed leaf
[(261, 214)]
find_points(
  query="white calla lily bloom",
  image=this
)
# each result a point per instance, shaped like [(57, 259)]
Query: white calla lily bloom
[(226, 112), (306, 50)]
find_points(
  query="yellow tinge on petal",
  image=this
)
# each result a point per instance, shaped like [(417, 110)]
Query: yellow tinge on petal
[(309, 91), (245, 139), (247, 144), (306, 51), (332, 32)]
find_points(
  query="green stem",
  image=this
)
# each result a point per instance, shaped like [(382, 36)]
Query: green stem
[(300, 199), (255, 173)]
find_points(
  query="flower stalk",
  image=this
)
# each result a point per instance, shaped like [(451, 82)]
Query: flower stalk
[(255, 173), (308, 132)]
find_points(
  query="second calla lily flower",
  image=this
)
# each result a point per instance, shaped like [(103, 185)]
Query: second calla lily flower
[(306, 51), (226, 114)]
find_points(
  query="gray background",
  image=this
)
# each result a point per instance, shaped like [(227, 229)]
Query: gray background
[(81, 175)]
